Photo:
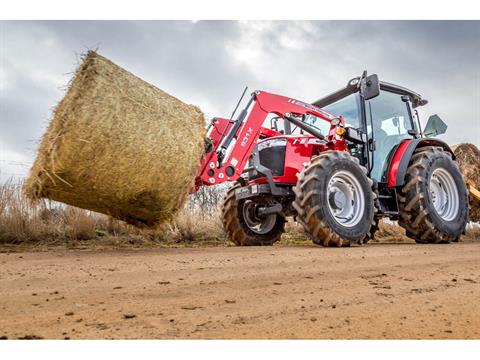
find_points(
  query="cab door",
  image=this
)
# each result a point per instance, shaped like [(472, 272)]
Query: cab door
[(389, 122)]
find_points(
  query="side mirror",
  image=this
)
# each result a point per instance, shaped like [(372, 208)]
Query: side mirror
[(371, 87), (435, 126)]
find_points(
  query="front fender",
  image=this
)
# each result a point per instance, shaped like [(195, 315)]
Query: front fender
[(404, 152)]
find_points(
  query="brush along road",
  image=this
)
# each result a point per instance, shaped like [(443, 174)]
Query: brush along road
[(383, 291)]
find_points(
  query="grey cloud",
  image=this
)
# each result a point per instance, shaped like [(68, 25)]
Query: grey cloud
[(439, 59)]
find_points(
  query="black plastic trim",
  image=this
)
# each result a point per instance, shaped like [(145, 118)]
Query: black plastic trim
[(349, 89), (265, 171), (337, 95), (245, 192)]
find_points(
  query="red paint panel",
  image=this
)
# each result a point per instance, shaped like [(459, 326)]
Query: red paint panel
[(397, 158), (299, 150)]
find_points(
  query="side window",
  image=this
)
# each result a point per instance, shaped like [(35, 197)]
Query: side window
[(348, 107), (389, 114)]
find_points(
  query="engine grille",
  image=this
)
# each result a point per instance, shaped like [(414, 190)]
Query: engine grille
[(272, 156), (274, 159)]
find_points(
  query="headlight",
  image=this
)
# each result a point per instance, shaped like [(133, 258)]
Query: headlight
[(335, 122)]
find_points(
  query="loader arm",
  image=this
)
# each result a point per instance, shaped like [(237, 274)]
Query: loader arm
[(234, 141)]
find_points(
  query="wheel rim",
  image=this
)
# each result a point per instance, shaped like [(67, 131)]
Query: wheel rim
[(346, 199), (258, 225), (444, 194)]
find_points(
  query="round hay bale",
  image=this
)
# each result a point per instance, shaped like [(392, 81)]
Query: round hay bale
[(468, 158), (119, 146)]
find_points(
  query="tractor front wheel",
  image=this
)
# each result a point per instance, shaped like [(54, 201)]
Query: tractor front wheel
[(334, 200), (243, 225), (434, 200)]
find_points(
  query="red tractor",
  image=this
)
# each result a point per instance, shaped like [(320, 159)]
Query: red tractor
[(337, 166)]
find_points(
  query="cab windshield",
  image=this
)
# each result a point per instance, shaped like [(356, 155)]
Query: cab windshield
[(349, 108)]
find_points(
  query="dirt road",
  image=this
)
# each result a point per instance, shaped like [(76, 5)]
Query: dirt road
[(376, 291)]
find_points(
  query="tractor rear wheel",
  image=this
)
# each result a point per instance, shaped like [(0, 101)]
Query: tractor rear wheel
[(244, 227), (334, 200), (434, 200)]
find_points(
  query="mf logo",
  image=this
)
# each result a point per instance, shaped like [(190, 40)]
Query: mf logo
[(310, 107), (246, 137)]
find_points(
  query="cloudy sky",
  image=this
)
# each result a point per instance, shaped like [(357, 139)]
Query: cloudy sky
[(208, 63)]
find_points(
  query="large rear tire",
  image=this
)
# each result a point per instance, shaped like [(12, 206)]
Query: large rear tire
[(434, 200), (244, 228), (334, 200)]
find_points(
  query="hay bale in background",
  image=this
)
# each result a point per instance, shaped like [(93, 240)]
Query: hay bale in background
[(468, 158), (119, 146)]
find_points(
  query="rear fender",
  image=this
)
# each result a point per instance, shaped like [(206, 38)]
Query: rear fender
[(403, 154)]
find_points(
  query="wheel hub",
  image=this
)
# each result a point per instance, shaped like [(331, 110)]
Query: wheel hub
[(337, 199), (259, 225), (444, 194), (346, 199)]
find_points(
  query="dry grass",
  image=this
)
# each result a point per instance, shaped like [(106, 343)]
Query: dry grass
[(119, 146), (191, 229), (294, 234), (24, 222), (473, 233), (390, 232), (47, 224)]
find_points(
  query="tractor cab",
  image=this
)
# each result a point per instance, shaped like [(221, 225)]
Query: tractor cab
[(383, 116)]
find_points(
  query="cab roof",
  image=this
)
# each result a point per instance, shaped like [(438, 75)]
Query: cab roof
[(352, 88)]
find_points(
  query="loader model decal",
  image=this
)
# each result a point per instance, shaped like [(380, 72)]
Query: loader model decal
[(246, 137)]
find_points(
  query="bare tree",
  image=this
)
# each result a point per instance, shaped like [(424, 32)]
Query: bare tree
[(206, 201)]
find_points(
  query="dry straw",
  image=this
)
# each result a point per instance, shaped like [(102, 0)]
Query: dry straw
[(119, 146), (468, 158)]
